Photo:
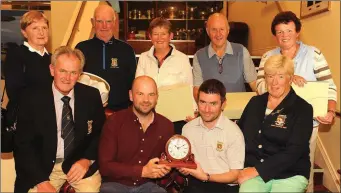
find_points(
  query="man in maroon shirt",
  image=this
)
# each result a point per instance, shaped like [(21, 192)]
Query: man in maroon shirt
[(131, 142)]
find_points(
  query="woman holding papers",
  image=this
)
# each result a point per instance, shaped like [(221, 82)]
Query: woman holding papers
[(163, 62), (277, 128), (26, 65), (310, 65)]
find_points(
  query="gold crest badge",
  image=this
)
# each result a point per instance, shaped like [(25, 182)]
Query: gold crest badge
[(219, 146), (280, 121), (114, 63), (89, 126)]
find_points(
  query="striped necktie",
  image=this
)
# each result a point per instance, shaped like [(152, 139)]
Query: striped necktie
[(67, 127)]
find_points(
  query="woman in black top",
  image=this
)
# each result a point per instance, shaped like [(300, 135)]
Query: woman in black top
[(26, 65), (277, 127)]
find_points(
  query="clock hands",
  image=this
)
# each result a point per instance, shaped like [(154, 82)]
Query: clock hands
[(178, 147)]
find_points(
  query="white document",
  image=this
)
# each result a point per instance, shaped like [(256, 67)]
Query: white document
[(315, 93), (175, 102), (236, 103)]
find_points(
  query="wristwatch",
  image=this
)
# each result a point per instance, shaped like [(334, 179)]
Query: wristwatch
[(208, 177)]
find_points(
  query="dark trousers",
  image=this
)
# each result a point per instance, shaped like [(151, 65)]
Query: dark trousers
[(178, 126), (197, 186)]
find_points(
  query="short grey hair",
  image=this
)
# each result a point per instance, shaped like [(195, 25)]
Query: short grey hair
[(68, 51)]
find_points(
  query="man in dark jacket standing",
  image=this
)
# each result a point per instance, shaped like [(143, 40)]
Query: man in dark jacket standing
[(110, 58)]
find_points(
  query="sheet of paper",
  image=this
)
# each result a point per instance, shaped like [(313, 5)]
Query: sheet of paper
[(175, 102), (236, 102), (315, 93)]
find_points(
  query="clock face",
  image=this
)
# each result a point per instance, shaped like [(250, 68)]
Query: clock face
[(178, 148)]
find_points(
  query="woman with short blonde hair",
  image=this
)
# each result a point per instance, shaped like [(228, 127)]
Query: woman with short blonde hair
[(279, 62), (277, 126)]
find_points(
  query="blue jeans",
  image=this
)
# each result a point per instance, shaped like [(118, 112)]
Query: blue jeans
[(113, 187)]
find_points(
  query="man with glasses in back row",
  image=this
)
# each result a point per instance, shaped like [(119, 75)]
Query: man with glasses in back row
[(110, 58), (225, 61)]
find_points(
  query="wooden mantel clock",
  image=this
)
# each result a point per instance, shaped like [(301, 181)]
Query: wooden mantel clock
[(178, 153)]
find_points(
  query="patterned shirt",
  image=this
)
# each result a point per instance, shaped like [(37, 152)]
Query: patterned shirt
[(306, 56)]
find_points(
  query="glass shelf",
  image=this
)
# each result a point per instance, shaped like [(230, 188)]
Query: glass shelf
[(140, 19), (166, 18), (185, 16)]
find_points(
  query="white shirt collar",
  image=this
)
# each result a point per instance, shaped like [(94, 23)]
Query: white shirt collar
[(57, 95), (30, 48), (151, 51), (228, 49)]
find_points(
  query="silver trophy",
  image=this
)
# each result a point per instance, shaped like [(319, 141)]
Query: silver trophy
[(162, 12), (172, 11), (134, 14), (149, 14), (139, 14), (182, 14), (191, 12), (202, 14)]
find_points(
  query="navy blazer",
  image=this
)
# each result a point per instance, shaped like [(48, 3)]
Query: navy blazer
[(277, 145), (36, 134)]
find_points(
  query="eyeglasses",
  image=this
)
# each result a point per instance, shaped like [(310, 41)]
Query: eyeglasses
[(220, 66), (108, 22)]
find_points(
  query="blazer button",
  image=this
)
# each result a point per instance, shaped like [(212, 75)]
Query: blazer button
[(261, 160), (260, 146)]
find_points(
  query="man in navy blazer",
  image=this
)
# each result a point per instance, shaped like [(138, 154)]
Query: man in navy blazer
[(44, 160)]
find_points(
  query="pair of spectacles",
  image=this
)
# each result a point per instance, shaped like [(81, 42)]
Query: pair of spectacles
[(106, 21), (220, 66)]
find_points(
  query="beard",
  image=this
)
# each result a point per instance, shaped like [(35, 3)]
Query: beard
[(143, 112)]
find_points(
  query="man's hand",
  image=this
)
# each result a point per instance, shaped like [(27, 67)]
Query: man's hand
[(45, 187), (247, 174), (198, 173), (78, 170), (154, 170), (190, 118), (327, 119), (299, 80), (184, 171)]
